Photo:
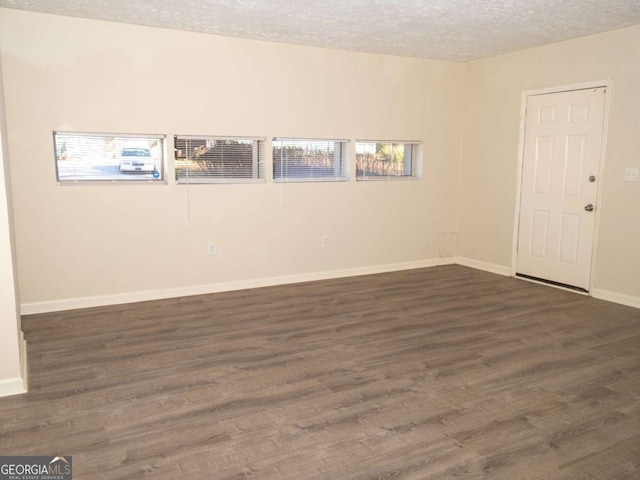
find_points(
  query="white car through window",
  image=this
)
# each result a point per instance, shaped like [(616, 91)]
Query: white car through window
[(136, 160)]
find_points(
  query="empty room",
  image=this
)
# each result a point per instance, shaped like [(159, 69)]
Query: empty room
[(320, 240)]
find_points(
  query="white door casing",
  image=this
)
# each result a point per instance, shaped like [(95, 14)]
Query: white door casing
[(560, 174)]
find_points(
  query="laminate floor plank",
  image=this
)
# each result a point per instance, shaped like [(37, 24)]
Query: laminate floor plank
[(437, 373)]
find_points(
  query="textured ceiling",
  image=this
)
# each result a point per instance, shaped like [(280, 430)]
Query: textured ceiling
[(458, 30)]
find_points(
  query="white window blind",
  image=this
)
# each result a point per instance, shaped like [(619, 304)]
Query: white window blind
[(208, 159), (300, 160), (383, 160), (108, 157)]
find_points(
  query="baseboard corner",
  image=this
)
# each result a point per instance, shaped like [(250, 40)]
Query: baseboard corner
[(12, 386), (485, 266), (24, 369)]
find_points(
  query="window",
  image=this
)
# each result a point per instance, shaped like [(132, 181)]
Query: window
[(297, 160), (386, 160), (218, 159), (88, 157)]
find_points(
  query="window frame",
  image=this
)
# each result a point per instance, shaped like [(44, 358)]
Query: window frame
[(59, 150), (340, 171), (258, 161), (413, 170)]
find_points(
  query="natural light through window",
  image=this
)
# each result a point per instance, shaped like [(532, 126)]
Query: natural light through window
[(386, 159), (88, 157)]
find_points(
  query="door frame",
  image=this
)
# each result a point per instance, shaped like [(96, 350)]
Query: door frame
[(608, 84)]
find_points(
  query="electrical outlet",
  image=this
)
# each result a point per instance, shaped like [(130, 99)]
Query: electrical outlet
[(630, 174), (213, 248), (324, 242)]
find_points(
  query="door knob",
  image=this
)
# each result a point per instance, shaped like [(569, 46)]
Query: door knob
[(589, 207)]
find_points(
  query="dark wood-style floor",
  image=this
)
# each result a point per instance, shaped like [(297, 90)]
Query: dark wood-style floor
[(438, 373)]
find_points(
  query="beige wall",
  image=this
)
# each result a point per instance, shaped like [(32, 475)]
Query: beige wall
[(11, 368), (74, 242), (489, 148), (94, 241)]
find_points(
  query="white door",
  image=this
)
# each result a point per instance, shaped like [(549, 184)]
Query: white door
[(561, 165)]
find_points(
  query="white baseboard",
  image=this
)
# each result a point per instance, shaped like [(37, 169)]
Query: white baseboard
[(487, 267), (141, 296), (595, 293), (17, 385), (12, 386), (616, 297), (24, 370)]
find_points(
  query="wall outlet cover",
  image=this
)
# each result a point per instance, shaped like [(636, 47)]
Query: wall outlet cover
[(630, 174)]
